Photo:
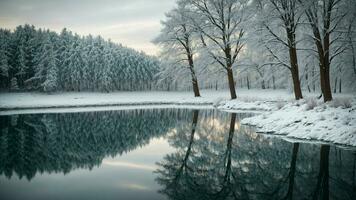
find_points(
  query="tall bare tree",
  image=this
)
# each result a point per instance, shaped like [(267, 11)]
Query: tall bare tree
[(351, 32), (220, 25), (177, 40), (324, 17), (284, 14)]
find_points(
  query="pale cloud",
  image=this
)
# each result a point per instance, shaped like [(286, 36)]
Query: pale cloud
[(133, 23)]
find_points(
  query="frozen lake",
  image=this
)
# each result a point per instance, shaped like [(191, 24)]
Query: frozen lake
[(163, 154)]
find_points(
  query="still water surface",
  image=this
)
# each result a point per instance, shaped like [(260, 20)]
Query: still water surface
[(163, 154)]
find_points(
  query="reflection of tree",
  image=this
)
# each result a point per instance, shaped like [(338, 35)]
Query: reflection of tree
[(243, 164), (182, 181), (227, 183), (292, 169), (178, 176), (322, 186), (63, 142)]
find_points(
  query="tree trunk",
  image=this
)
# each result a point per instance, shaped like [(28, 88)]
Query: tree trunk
[(196, 87), (230, 76), (340, 85), (294, 65), (324, 66), (192, 72), (313, 76), (335, 86), (248, 82), (327, 95), (296, 84), (263, 86), (353, 52), (307, 79)]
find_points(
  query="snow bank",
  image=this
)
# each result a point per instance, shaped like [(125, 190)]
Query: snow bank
[(12, 101), (240, 105), (16, 101), (331, 122)]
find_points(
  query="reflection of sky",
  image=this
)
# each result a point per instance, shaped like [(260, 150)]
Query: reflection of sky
[(131, 22), (123, 177)]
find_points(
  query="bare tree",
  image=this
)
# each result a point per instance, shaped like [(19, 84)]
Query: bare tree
[(176, 38), (324, 16), (284, 14), (351, 33), (220, 26)]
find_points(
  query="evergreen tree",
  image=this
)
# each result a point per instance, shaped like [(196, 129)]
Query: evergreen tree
[(4, 58), (14, 86)]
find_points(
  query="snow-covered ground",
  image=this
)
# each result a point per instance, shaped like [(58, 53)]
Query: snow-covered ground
[(306, 119), (16, 101), (312, 120), (12, 101)]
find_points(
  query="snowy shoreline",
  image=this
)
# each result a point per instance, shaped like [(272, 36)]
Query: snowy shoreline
[(111, 105), (333, 122), (308, 119), (19, 101)]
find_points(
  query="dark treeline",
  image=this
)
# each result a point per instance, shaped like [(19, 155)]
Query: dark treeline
[(41, 60), (38, 143)]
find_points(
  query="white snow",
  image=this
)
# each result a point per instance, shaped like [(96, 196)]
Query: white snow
[(12, 101), (324, 122), (306, 119)]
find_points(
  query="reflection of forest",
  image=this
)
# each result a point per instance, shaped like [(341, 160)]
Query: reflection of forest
[(63, 142), (216, 158)]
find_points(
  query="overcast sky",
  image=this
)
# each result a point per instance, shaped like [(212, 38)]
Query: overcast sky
[(133, 23)]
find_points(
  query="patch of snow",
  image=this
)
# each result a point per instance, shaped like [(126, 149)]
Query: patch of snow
[(324, 122), (240, 105)]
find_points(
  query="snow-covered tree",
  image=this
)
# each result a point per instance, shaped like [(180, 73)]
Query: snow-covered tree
[(221, 27), (324, 17), (50, 83), (14, 85), (46, 61), (4, 57), (281, 18), (45, 75), (179, 48)]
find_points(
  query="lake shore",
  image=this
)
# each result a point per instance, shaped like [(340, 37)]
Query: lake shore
[(308, 119), (25, 101)]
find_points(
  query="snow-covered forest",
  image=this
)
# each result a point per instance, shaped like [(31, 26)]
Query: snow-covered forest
[(41, 60), (301, 46), (296, 45)]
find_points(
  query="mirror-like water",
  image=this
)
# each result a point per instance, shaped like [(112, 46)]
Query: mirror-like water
[(163, 154)]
